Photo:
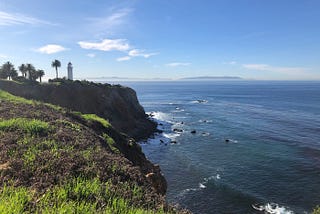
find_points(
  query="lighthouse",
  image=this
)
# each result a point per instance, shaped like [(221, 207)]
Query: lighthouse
[(70, 72)]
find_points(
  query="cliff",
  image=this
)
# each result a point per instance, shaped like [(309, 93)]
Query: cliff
[(54, 160), (118, 104)]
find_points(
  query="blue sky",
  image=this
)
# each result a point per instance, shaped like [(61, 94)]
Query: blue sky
[(253, 39)]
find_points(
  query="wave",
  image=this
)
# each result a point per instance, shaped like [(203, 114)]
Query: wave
[(272, 208), (199, 101), (171, 136), (160, 116), (201, 185), (205, 121)]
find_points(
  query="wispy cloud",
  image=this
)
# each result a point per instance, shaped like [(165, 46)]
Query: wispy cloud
[(114, 19), (176, 64), (8, 19), (106, 45), (142, 53), (125, 58), (51, 49), (266, 67)]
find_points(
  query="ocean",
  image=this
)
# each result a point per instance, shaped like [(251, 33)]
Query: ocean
[(236, 146)]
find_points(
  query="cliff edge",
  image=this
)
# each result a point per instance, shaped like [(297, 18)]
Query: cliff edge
[(118, 104)]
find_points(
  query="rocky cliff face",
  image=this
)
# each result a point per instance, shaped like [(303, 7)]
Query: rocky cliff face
[(50, 155), (118, 104)]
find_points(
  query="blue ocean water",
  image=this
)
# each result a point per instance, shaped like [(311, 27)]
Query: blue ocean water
[(271, 160)]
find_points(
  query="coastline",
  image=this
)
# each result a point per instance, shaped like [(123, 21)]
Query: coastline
[(126, 145)]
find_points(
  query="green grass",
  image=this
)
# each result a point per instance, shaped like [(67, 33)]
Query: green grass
[(30, 126), (14, 200), (55, 107), (111, 143), (70, 125), (316, 210), (78, 195), (93, 117), (15, 99), (9, 97)]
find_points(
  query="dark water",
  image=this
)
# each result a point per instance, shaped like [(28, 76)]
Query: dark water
[(273, 153)]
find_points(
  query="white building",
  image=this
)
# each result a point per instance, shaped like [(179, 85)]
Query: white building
[(70, 72)]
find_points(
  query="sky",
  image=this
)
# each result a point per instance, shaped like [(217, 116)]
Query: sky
[(150, 39)]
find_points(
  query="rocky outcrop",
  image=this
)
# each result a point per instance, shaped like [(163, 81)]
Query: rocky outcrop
[(132, 151), (118, 104)]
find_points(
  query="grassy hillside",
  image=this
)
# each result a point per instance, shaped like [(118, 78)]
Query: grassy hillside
[(56, 161)]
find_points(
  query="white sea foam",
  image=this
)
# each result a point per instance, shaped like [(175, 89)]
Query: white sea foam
[(161, 116), (171, 136), (205, 121), (233, 141), (202, 186), (205, 134), (272, 208), (199, 101)]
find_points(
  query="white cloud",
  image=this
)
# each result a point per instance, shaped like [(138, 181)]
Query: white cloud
[(265, 67), (91, 55), (8, 19), (176, 64), (125, 58), (137, 52), (51, 49), (106, 45)]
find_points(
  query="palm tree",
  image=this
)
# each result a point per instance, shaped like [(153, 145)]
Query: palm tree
[(56, 64), (30, 69), (23, 70), (8, 70), (40, 73)]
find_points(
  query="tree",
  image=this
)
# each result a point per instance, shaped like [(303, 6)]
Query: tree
[(8, 70), (23, 70), (56, 64), (13, 73), (3, 75), (30, 69), (40, 74)]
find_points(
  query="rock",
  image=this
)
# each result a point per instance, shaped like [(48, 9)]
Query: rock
[(177, 130), (193, 132), (149, 175)]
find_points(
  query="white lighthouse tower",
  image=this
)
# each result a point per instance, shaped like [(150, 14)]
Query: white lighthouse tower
[(70, 72)]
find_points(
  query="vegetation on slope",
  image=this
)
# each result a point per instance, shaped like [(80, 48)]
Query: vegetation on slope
[(53, 161)]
